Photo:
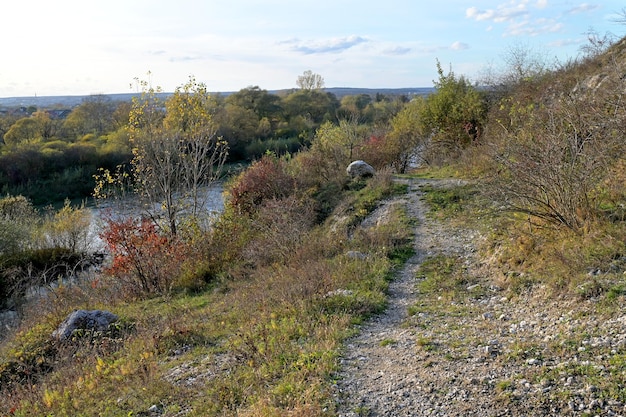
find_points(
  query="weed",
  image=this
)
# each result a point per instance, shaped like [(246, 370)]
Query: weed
[(441, 275), (426, 344), (504, 385), (616, 291), (362, 411), (388, 342)]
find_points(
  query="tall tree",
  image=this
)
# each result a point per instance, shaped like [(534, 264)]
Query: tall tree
[(24, 129), (37, 126), (310, 81), (237, 125), (259, 101), (202, 153), (93, 115), (176, 150), (315, 106)]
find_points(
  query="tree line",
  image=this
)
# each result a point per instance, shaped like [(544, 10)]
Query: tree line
[(49, 159), (165, 150)]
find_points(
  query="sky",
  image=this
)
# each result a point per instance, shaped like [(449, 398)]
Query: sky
[(80, 47)]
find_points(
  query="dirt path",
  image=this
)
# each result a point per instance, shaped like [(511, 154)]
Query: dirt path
[(380, 373), (485, 354)]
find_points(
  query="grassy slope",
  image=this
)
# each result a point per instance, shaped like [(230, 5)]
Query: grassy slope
[(263, 344), (266, 343)]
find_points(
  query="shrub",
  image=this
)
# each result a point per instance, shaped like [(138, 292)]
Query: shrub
[(278, 228), (143, 260), (264, 180), (613, 192), (556, 139), (376, 151), (34, 268), (35, 253), (68, 228), (279, 146), (400, 147), (17, 218), (334, 147), (452, 117), (552, 166), (32, 354)]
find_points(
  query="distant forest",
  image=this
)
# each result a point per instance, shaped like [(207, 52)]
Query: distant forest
[(52, 146), (75, 100)]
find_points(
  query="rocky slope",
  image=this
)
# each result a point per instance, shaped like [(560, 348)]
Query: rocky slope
[(484, 351)]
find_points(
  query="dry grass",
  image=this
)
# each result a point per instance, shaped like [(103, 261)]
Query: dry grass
[(261, 341)]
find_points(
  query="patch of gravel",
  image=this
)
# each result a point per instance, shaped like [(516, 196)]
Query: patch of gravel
[(488, 354)]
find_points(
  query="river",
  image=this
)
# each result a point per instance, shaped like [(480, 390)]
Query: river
[(128, 206), (132, 206)]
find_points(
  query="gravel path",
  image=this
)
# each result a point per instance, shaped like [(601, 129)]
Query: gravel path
[(487, 354)]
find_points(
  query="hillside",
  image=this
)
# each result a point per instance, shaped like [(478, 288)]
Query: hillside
[(481, 270), (457, 340)]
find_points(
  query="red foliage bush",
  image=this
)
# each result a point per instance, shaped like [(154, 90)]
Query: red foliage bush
[(264, 180), (144, 261), (377, 151)]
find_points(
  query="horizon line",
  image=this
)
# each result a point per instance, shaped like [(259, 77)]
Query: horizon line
[(38, 96)]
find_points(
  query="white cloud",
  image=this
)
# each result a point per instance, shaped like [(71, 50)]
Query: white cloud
[(519, 19), (535, 28), (582, 8), (459, 46), (334, 45), (503, 13), (474, 13), (397, 50)]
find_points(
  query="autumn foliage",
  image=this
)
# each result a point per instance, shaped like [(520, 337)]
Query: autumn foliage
[(143, 260), (264, 180)]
